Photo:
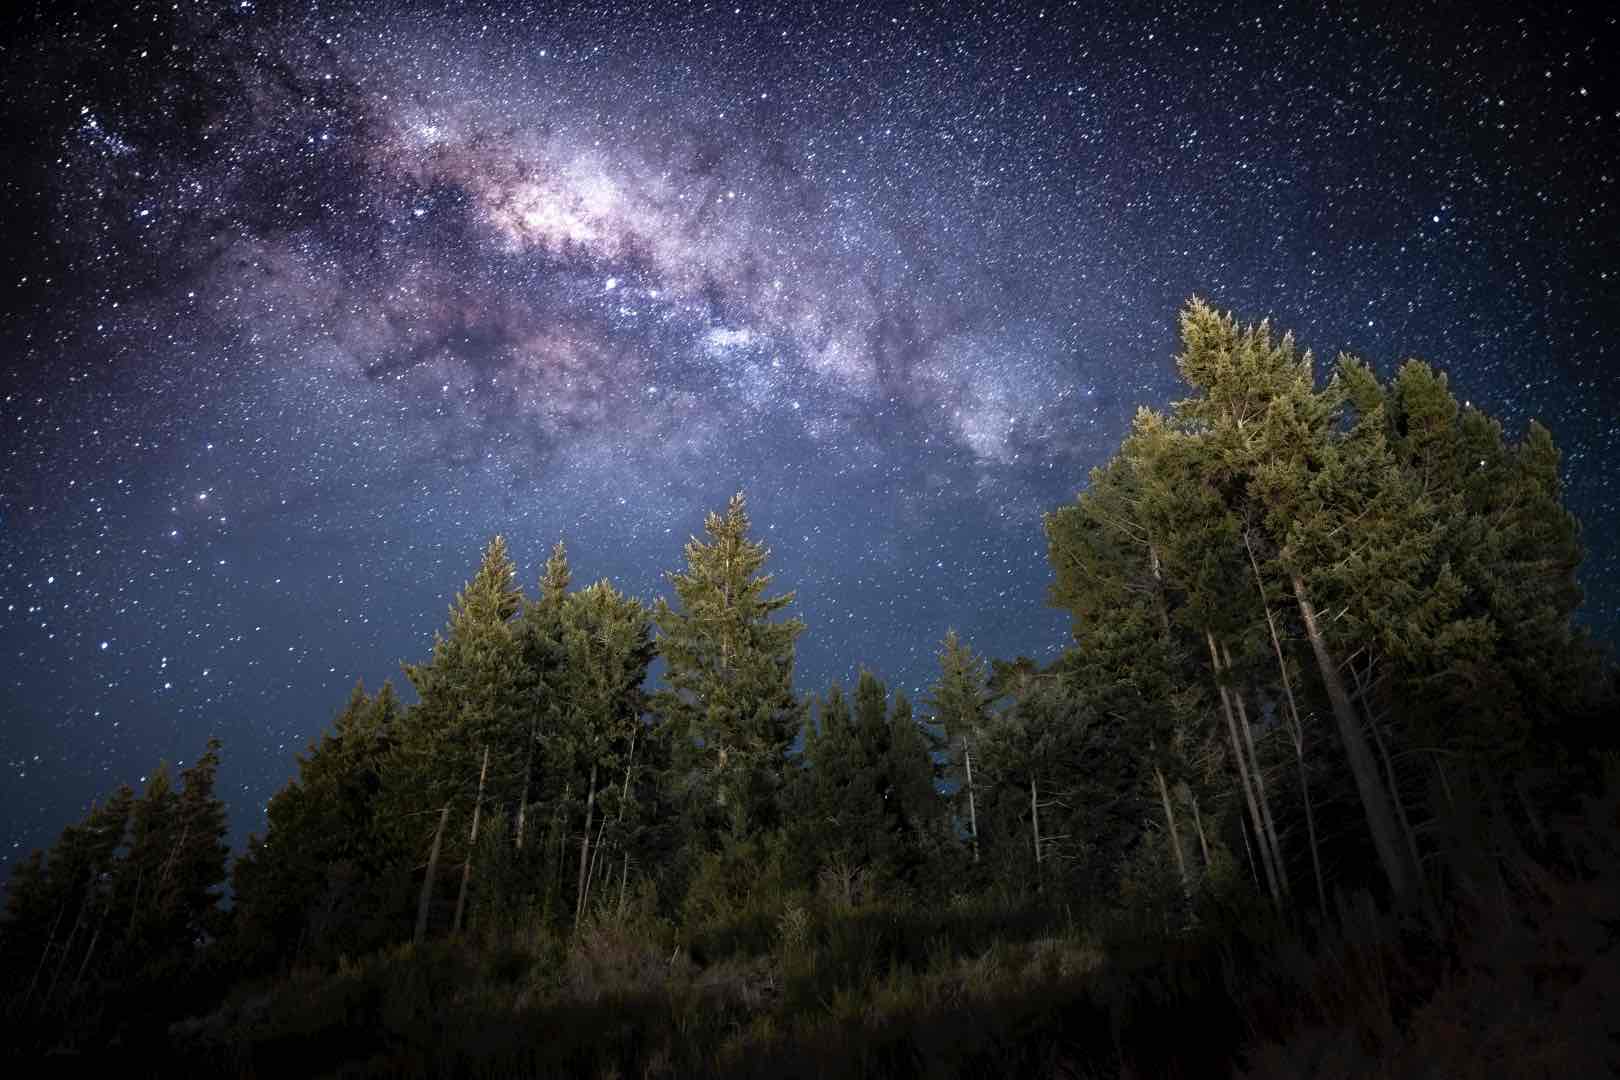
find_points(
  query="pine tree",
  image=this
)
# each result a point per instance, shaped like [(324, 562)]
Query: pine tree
[(57, 904), (477, 694), (913, 802), (1142, 563), (1272, 446), (322, 879), (154, 837), (607, 643), (540, 642), (959, 705), (197, 867), (730, 676)]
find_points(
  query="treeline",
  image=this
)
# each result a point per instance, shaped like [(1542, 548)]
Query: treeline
[(1323, 641), (123, 903)]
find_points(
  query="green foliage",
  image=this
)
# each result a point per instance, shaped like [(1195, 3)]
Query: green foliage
[(864, 802), (104, 932), (325, 878), (476, 692), (606, 639), (729, 699)]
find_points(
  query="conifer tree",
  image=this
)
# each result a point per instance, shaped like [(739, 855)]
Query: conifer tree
[(198, 866), (57, 904), (729, 671), (322, 879), (164, 894), (540, 642), (154, 837), (476, 693), (1034, 751), (108, 927), (959, 705), (913, 803), (1137, 562), (607, 643)]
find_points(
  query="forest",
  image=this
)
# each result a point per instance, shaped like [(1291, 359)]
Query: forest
[(1326, 784)]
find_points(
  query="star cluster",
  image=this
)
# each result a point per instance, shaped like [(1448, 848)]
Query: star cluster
[(305, 302)]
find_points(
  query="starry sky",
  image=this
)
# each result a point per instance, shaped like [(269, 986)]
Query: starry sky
[(304, 302)]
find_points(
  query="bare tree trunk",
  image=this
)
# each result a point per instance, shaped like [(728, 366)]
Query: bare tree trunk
[(630, 763), (624, 797), (528, 775), (174, 854), (1259, 784), (1296, 732), (596, 857), (1243, 771), (1198, 823), (585, 847), (1243, 831), (973, 811), (472, 844), (1175, 836), (624, 882), (67, 947), (1374, 799), (1158, 593), (89, 950), (426, 899), (1395, 796), (44, 954), (135, 904), (1035, 825)]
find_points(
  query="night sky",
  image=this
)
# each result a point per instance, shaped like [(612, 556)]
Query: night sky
[(304, 303)]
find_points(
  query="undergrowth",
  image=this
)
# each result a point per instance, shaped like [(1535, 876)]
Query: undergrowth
[(1511, 973)]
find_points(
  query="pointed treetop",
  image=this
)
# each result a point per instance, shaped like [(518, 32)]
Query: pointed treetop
[(871, 700), (1240, 370), (959, 699), (492, 594), (557, 577)]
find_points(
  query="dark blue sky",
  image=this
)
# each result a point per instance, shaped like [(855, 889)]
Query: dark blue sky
[(300, 308)]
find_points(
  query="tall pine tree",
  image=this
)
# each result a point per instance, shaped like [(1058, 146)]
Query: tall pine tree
[(729, 671)]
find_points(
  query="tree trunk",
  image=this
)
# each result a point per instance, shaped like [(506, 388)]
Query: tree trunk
[(585, 847), (67, 948), (973, 812), (1175, 836), (528, 774), (135, 904), (1243, 831), (1259, 784), (1158, 593), (1395, 797), (472, 844), (426, 899), (1374, 799), (1243, 772), (1296, 731), (44, 954), (1035, 826), (1198, 823), (90, 950), (596, 858)]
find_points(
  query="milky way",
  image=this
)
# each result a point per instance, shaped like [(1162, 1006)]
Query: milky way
[(306, 304)]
